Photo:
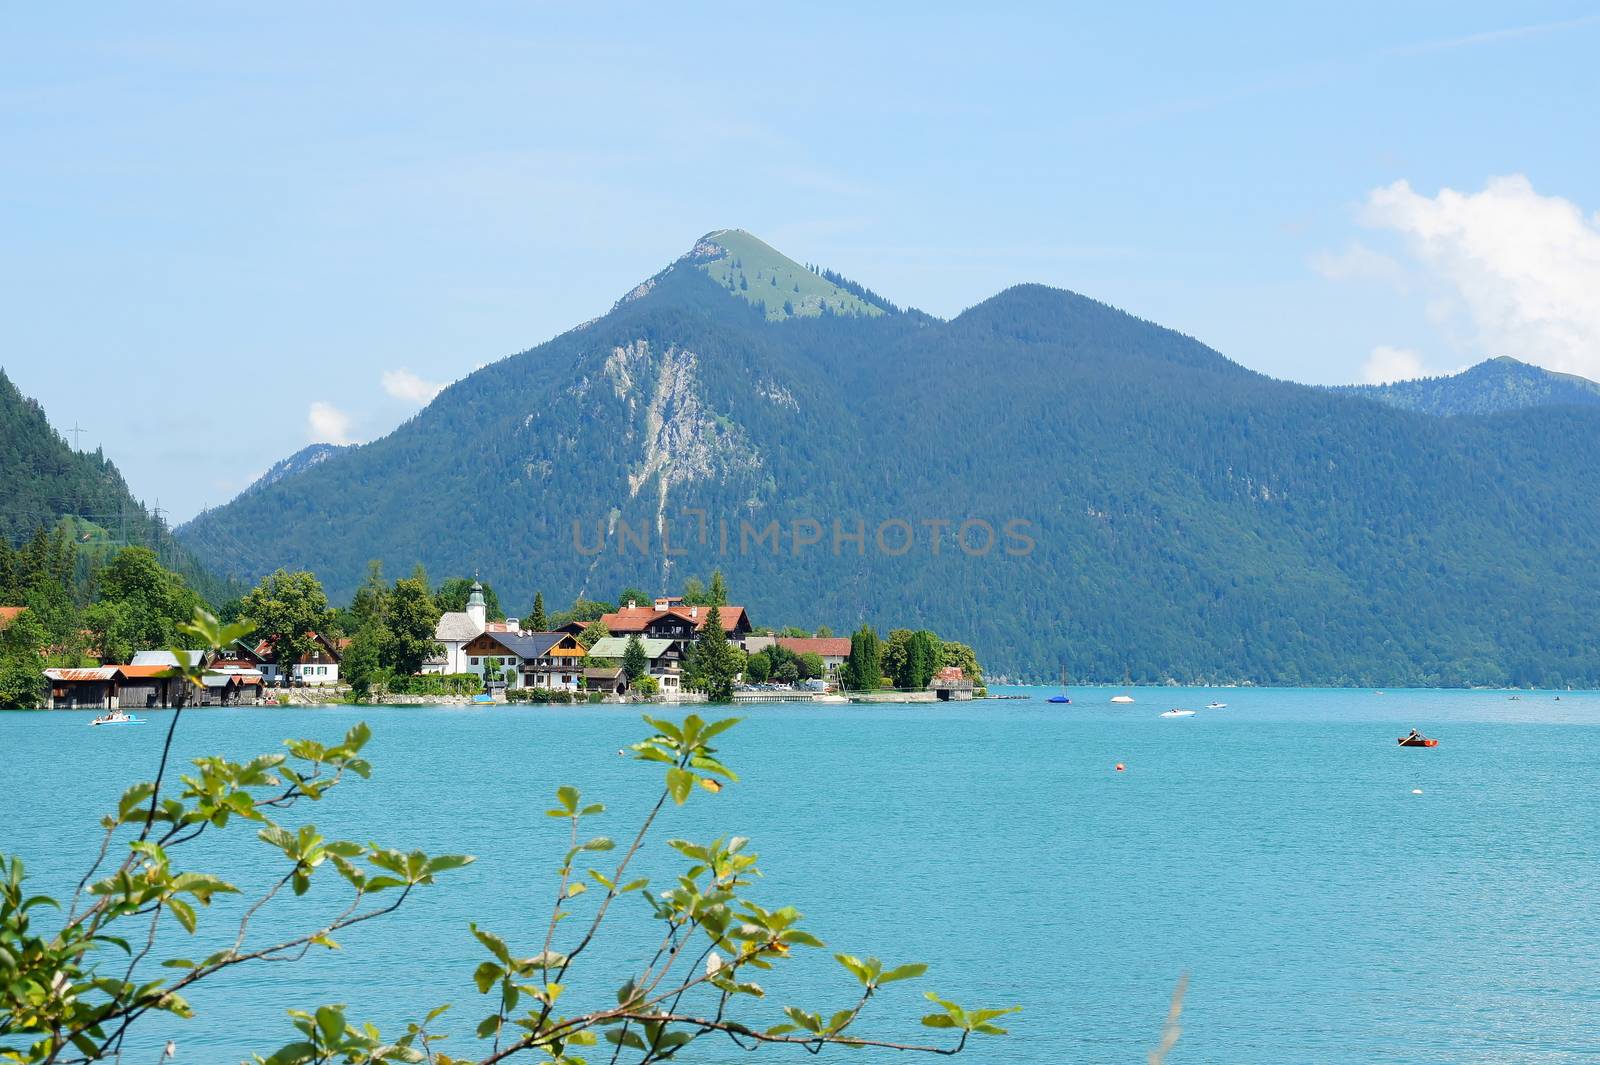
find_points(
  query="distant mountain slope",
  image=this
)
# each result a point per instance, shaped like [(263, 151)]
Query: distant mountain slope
[(299, 462), (45, 483), (1490, 387), (1188, 518)]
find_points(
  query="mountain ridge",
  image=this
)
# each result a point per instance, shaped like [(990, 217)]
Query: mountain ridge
[(1192, 519), (1490, 387)]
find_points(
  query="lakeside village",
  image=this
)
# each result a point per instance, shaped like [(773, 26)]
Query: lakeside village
[(409, 642)]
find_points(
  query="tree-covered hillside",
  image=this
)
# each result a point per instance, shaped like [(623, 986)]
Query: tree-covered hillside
[(44, 484), (1490, 387), (1172, 515)]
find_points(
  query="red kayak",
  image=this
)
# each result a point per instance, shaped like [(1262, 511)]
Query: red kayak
[(1417, 741)]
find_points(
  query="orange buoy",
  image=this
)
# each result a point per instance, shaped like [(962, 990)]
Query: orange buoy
[(1121, 767)]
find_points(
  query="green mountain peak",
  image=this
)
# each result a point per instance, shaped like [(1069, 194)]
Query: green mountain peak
[(758, 273)]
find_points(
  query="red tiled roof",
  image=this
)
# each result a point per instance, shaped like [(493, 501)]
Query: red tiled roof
[(639, 618), (264, 649), (950, 673), (826, 646)]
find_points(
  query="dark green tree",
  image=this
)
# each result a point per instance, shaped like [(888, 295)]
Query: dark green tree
[(537, 621), (811, 666), (925, 656), (633, 594), (155, 600), (371, 601), (453, 594), (22, 662), (412, 618), (715, 661), (584, 610), (634, 662), (758, 667), (718, 593), (593, 633), (112, 631), (864, 668), (362, 666), (286, 609)]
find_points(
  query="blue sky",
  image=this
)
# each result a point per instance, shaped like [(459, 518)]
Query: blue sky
[(231, 229)]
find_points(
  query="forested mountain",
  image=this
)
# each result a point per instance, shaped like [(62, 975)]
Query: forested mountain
[(1490, 387), (1173, 515), (44, 484)]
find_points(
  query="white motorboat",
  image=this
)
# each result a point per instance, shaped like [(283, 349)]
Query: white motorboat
[(116, 717), (1122, 698), (1176, 712), (1216, 706)]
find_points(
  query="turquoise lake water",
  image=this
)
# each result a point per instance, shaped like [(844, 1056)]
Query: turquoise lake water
[(1273, 850)]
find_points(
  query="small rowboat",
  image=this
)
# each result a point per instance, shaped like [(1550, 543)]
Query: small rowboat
[(1417, 741)]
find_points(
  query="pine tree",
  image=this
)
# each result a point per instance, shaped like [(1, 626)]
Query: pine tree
[(863, 669), (537, 622), (718, 596), (634, 662), (714, 659)]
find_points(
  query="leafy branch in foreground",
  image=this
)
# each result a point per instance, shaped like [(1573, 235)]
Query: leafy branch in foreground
[(70, 994), (60, 1001)]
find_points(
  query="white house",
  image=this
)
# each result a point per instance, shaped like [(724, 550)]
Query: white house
[(665, 657), (549, 660), (319, 667)]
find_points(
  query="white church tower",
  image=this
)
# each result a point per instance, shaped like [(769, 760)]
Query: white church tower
[(475, 608)]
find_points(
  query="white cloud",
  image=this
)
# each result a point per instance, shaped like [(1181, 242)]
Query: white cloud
[(1521, 269), (1387, 364), (328, 424), (1358, 262), (403, 384)]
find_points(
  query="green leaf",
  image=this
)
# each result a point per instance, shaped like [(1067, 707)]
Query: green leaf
[(809, 1021), (134, 798), (442, 862), (679, 783), (496, 945), (665, 727), (939, 1020), (600, 843), (357, 737), (718, 727), (485, 976), (183, 912), (330, 1022), (904, 972)]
